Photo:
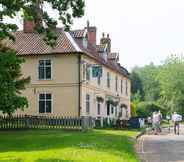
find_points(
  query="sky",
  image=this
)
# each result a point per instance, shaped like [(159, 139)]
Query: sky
[(141, 31)]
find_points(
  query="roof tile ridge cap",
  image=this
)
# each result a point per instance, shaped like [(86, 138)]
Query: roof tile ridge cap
[(73, 42)]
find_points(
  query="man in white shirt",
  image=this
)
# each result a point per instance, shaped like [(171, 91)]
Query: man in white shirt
[(176, 118)]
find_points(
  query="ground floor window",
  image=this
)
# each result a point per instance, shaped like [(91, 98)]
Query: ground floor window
[(120, 112), (87, 103), (108, 109), (45, 103), (116, 111), (98, 108), (112, 109)]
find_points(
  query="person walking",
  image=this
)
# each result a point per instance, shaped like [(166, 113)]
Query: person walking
[(156, 122), (160, 120), (176, 118), (149, 121)]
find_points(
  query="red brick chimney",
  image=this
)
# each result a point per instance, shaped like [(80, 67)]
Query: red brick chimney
[(91, 32), (28, 26)]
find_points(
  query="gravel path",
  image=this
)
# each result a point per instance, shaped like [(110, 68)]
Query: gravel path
[(166, 147)]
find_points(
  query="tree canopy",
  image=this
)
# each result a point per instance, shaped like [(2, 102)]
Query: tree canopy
[(35, 10), (161, 85)]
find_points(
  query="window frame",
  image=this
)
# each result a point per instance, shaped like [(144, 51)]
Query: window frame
[(126, 91), (51, 66), (98, 108), (116, 83), (121, 86), (89, 103), (108, 80), (45, 103), (84, 72), (88, 72)]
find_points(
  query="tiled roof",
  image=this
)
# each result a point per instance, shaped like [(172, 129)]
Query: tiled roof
[(32, 43), (92, 52), (77, 33)]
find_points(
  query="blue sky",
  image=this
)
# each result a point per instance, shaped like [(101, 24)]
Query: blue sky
[(142, 31)]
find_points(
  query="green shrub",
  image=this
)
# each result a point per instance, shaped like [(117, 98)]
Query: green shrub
[(133, 109), (145, 109)]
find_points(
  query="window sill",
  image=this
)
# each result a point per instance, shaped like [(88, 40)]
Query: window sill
[(44, 79)]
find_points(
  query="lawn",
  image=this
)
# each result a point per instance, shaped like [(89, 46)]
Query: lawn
[(67, 146)]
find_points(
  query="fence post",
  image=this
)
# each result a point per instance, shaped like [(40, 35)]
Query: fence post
[(85, 123), (27, 121)]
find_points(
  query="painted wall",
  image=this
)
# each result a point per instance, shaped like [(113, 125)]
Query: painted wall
[(92, 88), (63, 86)]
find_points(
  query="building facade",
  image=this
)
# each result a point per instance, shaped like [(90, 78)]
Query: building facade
[(75, 78)]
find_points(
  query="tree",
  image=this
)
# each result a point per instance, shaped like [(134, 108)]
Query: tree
[(136, 83), (133, 110), (34, 10), (145, 109), (171, 78), (144, 80), (11, 82)]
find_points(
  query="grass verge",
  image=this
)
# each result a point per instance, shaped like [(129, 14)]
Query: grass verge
[(65, 146)]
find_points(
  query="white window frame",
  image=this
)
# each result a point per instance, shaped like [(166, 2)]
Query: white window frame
[(38, 100), (84, 72), (126, 91), (44, 59), (116, 83), (121, 86), (108, 80), (87, 113), (88, 69)]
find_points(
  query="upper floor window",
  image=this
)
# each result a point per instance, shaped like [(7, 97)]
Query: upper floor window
[(126, 87), (99, 80), (116, 84), (44, 69), (45, 103), (87, 103), (88, 72), (121, 86), (108, 79), (84, 71)]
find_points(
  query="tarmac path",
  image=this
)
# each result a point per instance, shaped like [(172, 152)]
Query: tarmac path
[(165, 147)]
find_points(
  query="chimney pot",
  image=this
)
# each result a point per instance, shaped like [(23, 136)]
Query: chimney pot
[(29, 26), (107, 35), (103, 35)]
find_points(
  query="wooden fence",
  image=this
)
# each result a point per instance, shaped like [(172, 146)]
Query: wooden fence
[(46, 122)]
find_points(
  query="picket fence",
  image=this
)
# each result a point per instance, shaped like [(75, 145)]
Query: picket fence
[(46, 122)]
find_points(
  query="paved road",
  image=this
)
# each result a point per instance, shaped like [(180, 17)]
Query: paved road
[(166, 147)]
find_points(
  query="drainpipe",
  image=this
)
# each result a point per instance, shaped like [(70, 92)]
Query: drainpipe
[(79, 75)]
